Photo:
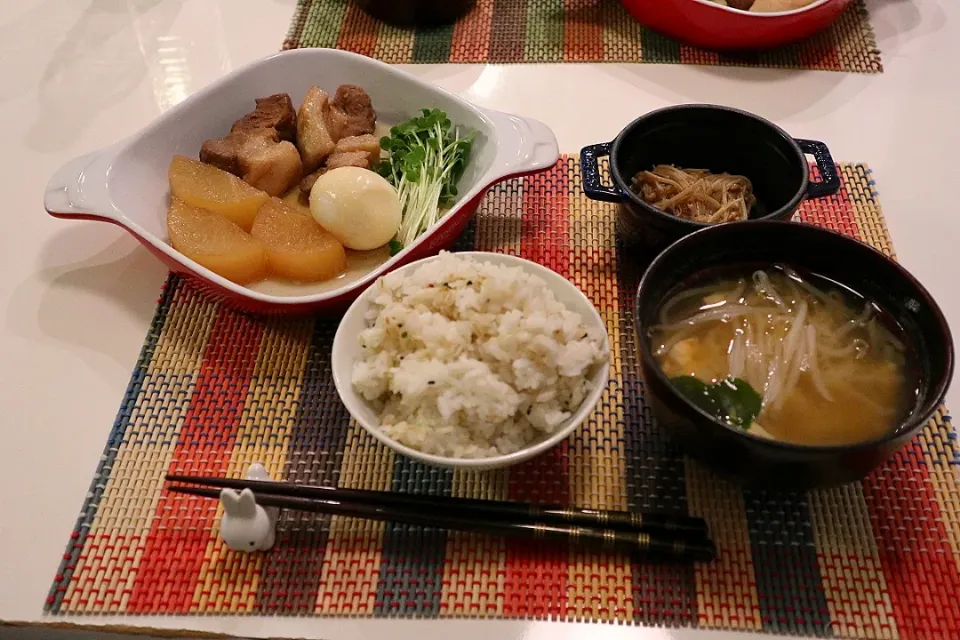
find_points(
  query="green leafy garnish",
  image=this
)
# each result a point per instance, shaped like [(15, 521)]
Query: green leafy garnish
[(427, 157), (697, 391), (395, 247), (732, 400)]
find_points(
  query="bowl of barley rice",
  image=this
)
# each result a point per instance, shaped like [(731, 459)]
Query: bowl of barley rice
[(471, 360)]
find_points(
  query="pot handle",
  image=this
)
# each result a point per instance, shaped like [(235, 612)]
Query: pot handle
[(79, 188), (829, 178), (593, 187)]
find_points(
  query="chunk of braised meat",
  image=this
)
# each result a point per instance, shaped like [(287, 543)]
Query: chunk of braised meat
[(273, 112), (354, 151), (270, 166), (351, 112), (273, 119), (361, 156), (313, 133), (306, 184), (224, 153), (349, 159), (367, 144)]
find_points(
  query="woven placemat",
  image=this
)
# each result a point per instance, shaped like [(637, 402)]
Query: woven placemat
[(506, 31), (216, 390)]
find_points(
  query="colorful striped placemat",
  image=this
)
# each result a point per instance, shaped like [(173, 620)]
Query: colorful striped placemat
[(216, 390), (506, 31)]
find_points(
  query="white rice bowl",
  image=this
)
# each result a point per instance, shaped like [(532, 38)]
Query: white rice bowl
[(468, 359)]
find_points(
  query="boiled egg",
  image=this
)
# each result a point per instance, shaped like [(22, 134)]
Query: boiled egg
[(357, 206)]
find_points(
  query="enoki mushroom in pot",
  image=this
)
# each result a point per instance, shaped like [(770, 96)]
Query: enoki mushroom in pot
[(696, 194)]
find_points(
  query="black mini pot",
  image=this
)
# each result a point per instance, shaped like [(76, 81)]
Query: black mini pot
[(759, 461), (720, 139), (419, 13)]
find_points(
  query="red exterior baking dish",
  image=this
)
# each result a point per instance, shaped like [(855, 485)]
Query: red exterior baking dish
[(126, 184), (709, 25)]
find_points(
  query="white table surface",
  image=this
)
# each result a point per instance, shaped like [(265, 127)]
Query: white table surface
[(77, 297)]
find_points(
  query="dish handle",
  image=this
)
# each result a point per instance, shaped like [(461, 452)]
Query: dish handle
[(526, 145), (593, 186), (829, 178), (79, 189)]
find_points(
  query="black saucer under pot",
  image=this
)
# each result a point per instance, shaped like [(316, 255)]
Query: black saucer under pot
[(760, 461), (720, 139)]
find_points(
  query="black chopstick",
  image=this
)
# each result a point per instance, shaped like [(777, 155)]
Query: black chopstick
[(687, 527), (648, 545)]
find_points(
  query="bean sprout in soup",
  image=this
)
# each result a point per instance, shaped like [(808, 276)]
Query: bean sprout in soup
[(794, 358)]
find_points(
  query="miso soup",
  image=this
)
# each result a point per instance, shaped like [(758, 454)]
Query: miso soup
[(794, 358)]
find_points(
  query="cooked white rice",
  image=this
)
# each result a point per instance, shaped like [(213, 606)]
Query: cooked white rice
[(466, 359)]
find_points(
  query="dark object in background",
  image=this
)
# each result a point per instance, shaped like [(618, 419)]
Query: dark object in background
[(719, 139), (752, 459), (417, 13)]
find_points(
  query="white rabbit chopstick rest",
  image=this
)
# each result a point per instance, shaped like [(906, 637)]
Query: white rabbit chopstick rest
[(246, 526)]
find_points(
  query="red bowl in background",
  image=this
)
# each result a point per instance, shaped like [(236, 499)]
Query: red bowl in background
[(709, 25)]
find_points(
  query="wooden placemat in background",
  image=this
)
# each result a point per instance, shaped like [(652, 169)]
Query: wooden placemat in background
[(507, 31)]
